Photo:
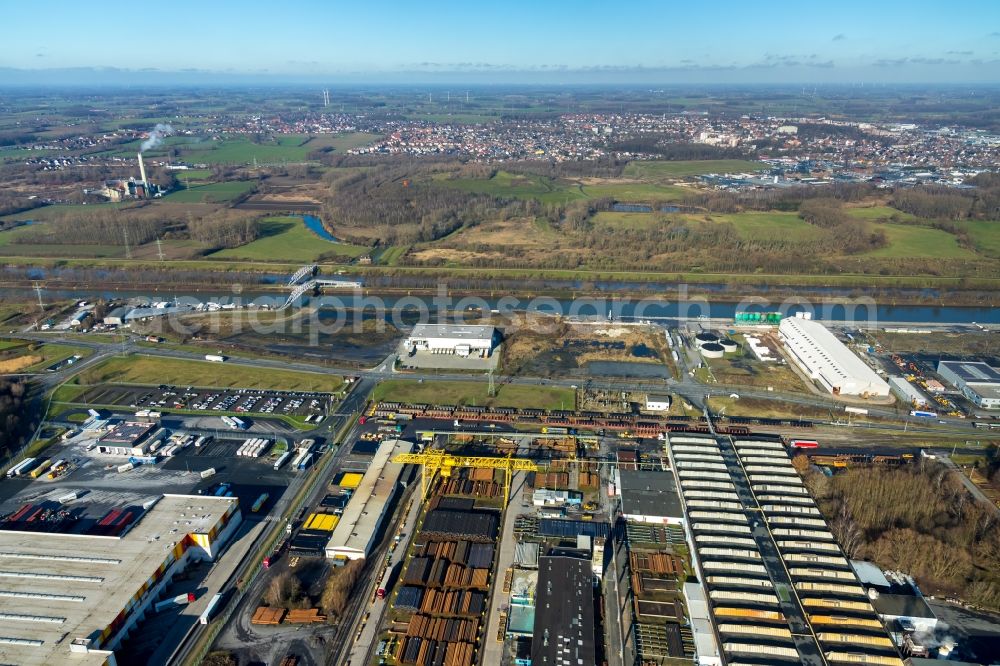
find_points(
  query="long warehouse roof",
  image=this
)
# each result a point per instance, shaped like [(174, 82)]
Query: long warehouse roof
[(68, 586), (362, 514), (828, 358)]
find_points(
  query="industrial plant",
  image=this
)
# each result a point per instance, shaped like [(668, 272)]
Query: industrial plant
[(129, 189)]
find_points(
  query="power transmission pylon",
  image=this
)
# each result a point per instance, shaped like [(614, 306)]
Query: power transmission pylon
[(159, 249)]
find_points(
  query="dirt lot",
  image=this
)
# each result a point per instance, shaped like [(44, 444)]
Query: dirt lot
[(562, 346), (958, 344), (743, 369)]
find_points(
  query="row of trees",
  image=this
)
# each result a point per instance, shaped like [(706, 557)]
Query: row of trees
[(101, 226), (946, 203), (108, 226), (15, 424)]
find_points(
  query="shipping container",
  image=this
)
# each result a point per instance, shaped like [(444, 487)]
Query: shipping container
[(305, 463), (21, 468), (40, 469), (179, 600), (214, 606), (282, 459), (215, 358), (259, 502)]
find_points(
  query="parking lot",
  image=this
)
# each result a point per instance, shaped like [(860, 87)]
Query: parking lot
[(250, 401)]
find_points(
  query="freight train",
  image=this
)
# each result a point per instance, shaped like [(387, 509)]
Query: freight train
[(639, 425)]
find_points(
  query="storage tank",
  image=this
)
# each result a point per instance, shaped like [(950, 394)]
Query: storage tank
[(703, 339), (712, 350), (728, 345)]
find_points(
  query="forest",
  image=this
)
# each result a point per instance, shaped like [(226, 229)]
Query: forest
[(219, 228), (919, 519)]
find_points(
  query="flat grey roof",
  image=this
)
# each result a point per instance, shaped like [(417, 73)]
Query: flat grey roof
[(564, 613), (453, 331), (972, 371), (650, 493), (902, 605)]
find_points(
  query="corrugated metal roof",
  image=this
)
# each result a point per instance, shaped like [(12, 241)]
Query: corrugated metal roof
[(362, 515)]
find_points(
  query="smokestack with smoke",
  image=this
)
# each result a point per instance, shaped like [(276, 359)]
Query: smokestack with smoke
[(142, 170), (156, 137)]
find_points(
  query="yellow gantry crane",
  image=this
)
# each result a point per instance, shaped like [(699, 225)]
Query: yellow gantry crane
[(434, 461)]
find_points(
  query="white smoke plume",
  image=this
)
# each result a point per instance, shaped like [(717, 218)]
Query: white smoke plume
[(156, 136)]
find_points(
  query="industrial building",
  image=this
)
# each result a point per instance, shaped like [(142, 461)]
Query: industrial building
[(650, 497), (356, 534), (828, 360), (564, 613), (727, 501), (907, 392), (978, 381), (460, 340), (130, 438), (656, 402), (705, 646), (71, 598), (550, 497)]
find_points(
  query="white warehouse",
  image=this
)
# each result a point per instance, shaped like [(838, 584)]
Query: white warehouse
[(828, 360), (453, 339)]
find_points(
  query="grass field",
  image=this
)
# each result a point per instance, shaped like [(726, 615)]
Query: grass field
[(193, 174), (879, 213), (288, 238), (153, 370), (547, 190), (633, 192), (241, 150), (53, 353), (516, 186), (474, 393), (392, 254), (211, 193), (985, 234), (913, 242), (686, 168)]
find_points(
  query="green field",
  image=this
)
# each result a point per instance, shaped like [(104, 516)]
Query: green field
[(153, 370), (474, 393), (288, 238), (879, 213), (516, 186), (391, 255), (242, 150), (687, 168), (985, 235), (211, 193), (913, 242), (193, 174), (613, 220), (548, 190), (634, 192)]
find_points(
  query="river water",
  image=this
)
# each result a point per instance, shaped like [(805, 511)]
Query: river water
[(598, 307)]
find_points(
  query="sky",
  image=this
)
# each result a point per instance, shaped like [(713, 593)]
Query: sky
[(515, 41)]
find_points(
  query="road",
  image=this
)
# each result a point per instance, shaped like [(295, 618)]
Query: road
[(686, 387), (286, 506)]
